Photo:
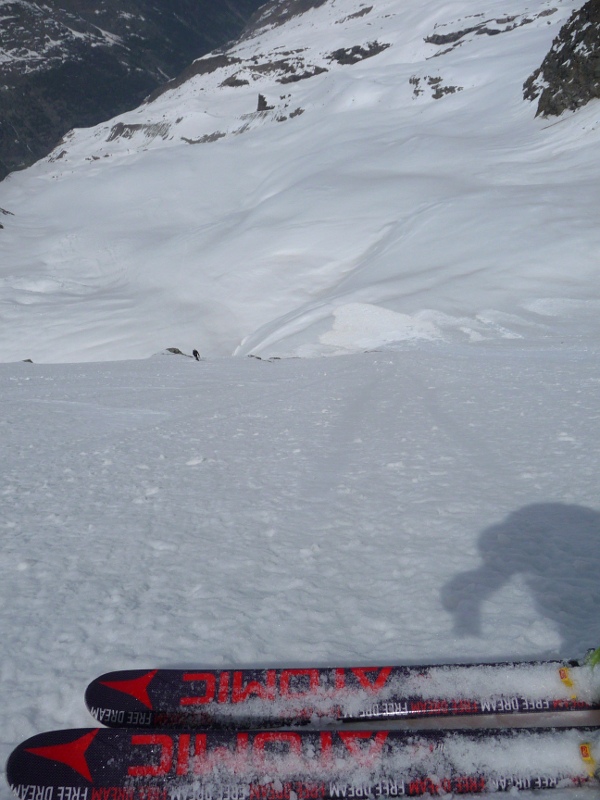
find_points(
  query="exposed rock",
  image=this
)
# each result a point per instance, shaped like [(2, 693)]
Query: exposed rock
[(489, 27), (208, 137), (352, 55), (362, 13), (438, 89), (263, 105), (122, 131), (234, 82), (569, 76), (301, 76)]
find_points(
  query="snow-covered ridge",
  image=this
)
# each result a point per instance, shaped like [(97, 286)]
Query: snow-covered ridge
[(189, 108), (363, 174), (329, 37)]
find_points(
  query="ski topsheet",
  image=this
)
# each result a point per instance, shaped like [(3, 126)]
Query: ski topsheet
[(129, 764), (238, 699)]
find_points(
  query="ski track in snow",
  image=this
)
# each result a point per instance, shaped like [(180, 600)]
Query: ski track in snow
[(429, 505)]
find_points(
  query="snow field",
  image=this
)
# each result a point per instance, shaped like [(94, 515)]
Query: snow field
[(422, 506)]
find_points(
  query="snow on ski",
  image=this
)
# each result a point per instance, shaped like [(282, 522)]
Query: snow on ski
[(127, 764), (238, 699)]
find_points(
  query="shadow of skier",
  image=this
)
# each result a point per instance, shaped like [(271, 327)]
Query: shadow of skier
[(556, 547)]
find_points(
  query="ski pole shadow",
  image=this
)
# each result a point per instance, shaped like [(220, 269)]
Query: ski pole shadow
[(555, 547)]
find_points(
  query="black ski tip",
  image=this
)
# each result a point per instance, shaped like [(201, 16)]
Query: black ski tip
[(54, 758), (121, 698)]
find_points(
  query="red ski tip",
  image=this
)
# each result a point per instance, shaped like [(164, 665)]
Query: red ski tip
[(72, 753), (137, 687)]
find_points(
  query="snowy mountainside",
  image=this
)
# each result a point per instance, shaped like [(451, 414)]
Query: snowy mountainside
[(357, 175), (272, 57), (434, 501), (69, 62)]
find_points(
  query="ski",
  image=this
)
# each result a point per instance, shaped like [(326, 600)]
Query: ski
[(128, 764), (242, 699)]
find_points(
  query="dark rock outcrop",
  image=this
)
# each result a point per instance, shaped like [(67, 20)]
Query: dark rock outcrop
[(569, 76), (352, 55)]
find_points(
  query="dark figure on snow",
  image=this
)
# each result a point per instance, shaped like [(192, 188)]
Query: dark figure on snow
[(196, 355)]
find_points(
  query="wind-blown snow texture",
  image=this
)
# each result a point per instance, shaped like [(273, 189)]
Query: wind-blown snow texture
[(434, 504), (435, 500)]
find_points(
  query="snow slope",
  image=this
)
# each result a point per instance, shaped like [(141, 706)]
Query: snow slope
[(379, 214), (433, 499), (431, 504)]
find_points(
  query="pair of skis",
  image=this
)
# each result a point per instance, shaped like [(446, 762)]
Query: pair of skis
[(236, 735)]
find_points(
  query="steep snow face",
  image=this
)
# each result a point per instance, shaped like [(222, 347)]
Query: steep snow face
[(354, 176)]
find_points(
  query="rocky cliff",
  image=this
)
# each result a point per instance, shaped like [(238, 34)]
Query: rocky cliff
[(569, 76)]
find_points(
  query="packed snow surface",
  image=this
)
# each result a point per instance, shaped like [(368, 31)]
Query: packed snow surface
[(429, 495), (424, 505)]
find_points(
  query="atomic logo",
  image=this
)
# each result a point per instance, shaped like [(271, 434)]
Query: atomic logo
[(72, 754), (137, 688)]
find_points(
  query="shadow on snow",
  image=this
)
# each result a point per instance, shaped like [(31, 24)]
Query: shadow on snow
[(556, 548)]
